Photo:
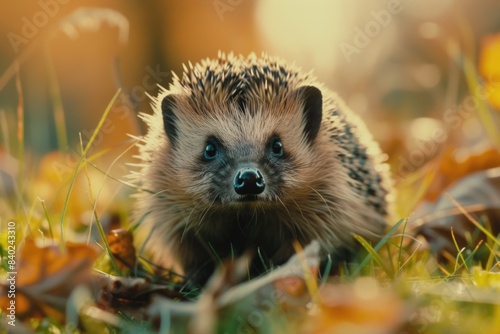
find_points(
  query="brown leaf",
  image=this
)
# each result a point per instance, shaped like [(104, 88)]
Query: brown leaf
[(46, 276), (121, 244), (478, 194), (130, 295), (450, 169)]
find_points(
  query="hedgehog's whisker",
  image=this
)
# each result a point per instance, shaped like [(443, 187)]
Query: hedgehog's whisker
[(327, 204), (195, 185), (187, 224), (284, 206), (205, 212), (297, 205), (181, 224), (152, 195), (326, 228), (295, 229)]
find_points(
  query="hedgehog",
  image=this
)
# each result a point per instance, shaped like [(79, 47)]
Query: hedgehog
[(249, 153)]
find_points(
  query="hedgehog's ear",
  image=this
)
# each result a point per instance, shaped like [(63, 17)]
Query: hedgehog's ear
[(168, 106), (313, 108)]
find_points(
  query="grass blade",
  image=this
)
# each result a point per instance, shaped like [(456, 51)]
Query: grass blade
[(47, 216), (472, 220), (459, 251), (55, 94), (82, 158), (375, 256), (377, 247)]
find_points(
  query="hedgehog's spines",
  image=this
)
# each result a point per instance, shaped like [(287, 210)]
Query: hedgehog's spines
[(236, 78)]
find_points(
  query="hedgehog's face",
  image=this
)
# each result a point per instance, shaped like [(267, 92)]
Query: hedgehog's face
[(226, 157), (244, 172)]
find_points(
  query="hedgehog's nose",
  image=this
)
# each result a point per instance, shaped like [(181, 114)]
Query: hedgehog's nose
[(249, 181)]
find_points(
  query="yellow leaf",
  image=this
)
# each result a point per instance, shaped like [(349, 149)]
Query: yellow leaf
[(489, 67)]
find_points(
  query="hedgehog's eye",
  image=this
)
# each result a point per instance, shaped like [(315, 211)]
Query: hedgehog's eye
[(210, 150), (277, 147)]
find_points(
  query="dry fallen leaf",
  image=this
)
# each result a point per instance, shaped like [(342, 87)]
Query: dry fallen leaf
[(451, 170), (121, 244), (129, 295), (46, 277), (477, 194)]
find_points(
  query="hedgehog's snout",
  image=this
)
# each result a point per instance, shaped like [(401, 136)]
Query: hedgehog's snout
[(249, 181)]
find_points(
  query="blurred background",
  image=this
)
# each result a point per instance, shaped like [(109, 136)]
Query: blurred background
[(400, 64)]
